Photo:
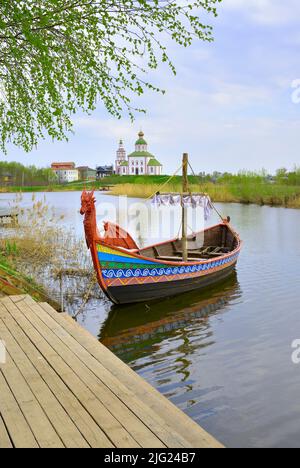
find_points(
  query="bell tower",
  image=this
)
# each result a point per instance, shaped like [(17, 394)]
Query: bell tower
[(121, 157)]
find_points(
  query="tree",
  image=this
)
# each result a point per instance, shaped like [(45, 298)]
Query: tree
[(281, 173), (58, 56)]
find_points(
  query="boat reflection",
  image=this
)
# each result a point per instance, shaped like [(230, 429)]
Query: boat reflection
[(134, 327)]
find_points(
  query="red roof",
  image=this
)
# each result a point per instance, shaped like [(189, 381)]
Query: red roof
[(63, 165)]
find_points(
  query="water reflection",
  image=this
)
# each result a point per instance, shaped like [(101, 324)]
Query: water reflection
[(132, 329)]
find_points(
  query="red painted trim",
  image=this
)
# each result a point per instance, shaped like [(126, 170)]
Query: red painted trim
[(184, 276), (105, 286), (98, 268)]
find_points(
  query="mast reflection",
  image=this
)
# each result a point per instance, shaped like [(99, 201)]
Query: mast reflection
[(134, 327)]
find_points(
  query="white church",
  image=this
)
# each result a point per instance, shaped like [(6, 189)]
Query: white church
[(140, 162)]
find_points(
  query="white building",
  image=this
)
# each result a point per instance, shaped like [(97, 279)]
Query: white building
[(120, 159), (140, 162), (65, 172)]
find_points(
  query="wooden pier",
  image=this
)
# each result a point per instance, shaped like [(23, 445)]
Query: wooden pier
[(60, 387), (106, 188), (8, 218)]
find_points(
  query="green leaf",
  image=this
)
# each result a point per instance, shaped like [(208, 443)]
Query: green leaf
[(59, 56)]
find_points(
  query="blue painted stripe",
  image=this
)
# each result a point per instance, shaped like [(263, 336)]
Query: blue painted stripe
[(104, 257), (170, 271)]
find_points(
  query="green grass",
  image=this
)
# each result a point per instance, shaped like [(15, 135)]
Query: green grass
[(112, 180), (241, 188), (267, 194), (261, 194)]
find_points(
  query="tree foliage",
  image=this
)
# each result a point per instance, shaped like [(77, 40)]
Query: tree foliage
[(26, 175), (58, 56)]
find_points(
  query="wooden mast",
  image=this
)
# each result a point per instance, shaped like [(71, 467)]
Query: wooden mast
[(185, 189)]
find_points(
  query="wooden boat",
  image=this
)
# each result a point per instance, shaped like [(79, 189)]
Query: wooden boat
[(128, 274)]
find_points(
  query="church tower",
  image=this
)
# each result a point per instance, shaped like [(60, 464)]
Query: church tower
[(121, 158)]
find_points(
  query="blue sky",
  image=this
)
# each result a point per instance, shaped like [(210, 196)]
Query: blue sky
[(230, 105)]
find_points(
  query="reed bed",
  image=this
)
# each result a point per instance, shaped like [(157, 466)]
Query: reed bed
[(216, 192), (42, 248), (244, 187), (257, 193)]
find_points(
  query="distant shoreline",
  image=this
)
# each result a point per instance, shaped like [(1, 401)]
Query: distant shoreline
[(245, 192)]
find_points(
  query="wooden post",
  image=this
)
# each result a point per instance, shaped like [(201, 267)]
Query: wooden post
[(61, 292), (185, 189)]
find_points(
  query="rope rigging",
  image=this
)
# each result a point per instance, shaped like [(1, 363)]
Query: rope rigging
[(165, 183), (200, 184)]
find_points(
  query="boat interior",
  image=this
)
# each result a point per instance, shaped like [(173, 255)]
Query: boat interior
[(206, 245)]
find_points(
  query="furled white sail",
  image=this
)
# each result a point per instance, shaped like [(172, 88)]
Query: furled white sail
[(188, 201)]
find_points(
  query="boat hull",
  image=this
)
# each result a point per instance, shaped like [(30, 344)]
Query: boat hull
[(129, 277), (150, 292)]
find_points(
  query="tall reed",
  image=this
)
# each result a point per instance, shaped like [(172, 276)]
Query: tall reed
[(251, 192), (41, 247)]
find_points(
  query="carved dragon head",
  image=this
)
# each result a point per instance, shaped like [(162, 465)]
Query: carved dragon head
[(87, 202)]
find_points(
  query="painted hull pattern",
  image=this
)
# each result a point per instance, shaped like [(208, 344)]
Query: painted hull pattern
[(127, 277)]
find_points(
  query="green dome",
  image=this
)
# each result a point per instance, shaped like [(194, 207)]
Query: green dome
[(140, 154), (141, 141), (154, 162)]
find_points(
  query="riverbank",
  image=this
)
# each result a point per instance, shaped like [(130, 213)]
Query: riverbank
[(107, 182), (262, 194), (36, 252), (15, 283), (236, 189)]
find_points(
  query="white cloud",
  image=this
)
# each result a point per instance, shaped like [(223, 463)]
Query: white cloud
[(220, 128), (269, 12), (234, 94), (179, 111), (104, 128)]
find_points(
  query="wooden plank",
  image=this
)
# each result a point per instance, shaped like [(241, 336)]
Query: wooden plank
[(172, 416), (80, 417), (135, 426), (5, 441), (68, 435), (151, 419), (85, 366), (110, 425), (43, 431), (17, 426)]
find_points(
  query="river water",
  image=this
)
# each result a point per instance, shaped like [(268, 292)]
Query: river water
[(223, 355)]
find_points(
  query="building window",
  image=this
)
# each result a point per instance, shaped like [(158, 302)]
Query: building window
[(152, 170)]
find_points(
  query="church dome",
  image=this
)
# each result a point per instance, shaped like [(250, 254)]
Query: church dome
[(141, 140)]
